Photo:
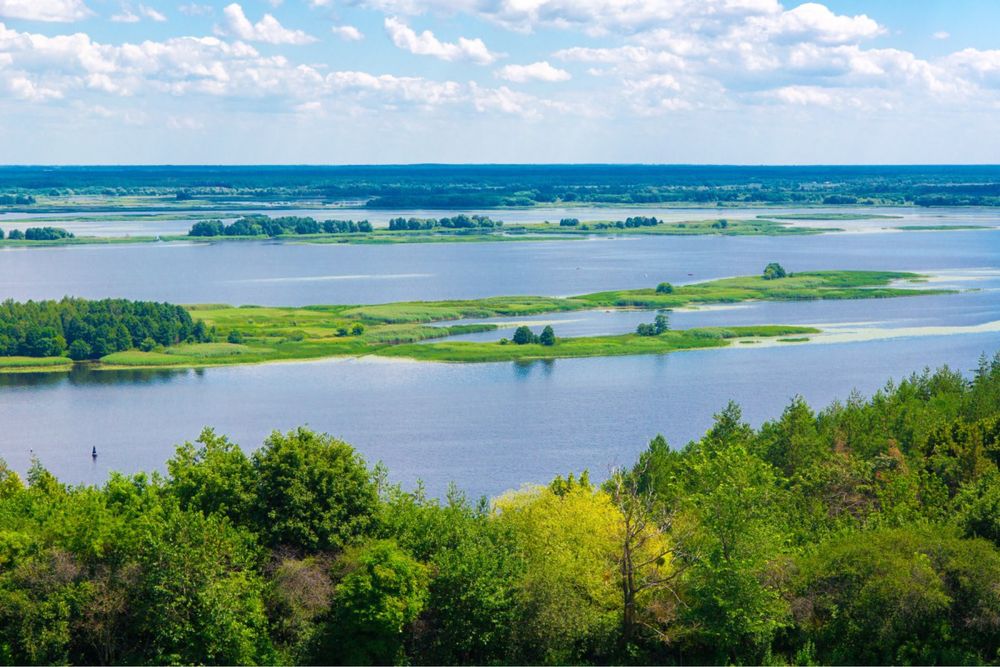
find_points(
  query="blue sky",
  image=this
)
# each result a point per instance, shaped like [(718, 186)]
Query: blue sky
[(398, 81)]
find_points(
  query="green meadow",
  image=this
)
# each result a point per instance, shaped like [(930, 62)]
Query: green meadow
[(257, 334)]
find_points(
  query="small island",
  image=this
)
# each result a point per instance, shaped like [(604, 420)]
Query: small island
[(116, 333)]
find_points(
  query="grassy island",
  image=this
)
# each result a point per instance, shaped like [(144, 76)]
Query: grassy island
[(224, 335)]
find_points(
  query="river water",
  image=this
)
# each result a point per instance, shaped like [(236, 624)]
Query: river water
[(488, 427)]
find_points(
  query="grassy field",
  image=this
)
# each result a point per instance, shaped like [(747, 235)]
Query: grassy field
[(27, 364), (265, 334), (594, 346)]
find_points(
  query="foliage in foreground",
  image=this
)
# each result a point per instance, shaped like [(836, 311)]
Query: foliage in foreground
[(866, 533)]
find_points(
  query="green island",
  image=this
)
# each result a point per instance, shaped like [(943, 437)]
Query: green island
[(456, 229), (863, 533), (161, 335)]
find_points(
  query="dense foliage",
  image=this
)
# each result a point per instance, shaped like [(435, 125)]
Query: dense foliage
[(92, 329), (485, 186), (16, 200), (867, 533), (461, 221), (262, 225), (38, 234)]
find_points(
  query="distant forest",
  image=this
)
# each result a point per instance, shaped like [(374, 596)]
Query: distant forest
[(485, 186)]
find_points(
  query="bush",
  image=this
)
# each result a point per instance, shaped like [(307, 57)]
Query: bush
[(234, 337), (664, 288)]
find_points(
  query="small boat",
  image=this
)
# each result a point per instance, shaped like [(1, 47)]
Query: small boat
[(93, 452)]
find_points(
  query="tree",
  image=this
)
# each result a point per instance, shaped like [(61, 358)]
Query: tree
[(910, 595), (215, 477), (314, 493), (523, 336), (661, 324), (381, 592), (646, 565), (79, 350), (664, 288), (774, 271), (568, 596), (645, 329), (548, 336)]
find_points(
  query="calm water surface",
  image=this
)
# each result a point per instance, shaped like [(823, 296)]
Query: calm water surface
[(488, 426)]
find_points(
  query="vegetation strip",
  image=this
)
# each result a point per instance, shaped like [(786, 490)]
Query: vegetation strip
[(115, 333)]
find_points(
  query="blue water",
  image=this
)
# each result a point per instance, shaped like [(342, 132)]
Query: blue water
[(489, 427)]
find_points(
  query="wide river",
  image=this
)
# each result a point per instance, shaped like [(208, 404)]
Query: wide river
[(488, 427)]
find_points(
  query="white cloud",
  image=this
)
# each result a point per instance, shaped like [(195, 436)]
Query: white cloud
[(152, 14), (941, 34), (58, 11), (977, 65), (504, 100), (268, 29), (804, 96), (126, 15), (194, 9), (540, 71), (347, 32), (24, 88), (816, 23), (184, 123), (426, 44)]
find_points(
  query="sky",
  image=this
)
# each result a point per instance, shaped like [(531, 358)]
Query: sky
[(513, 81)]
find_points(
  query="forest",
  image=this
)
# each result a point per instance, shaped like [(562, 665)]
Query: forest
[(867, 532), (92, 329), (488, 186)]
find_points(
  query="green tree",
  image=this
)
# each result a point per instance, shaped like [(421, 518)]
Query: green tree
[(523, 335), (79, 350), (380, 594), (773, 271), (901, 596), (313, 492), (548, 336), (215, 477), (664, 288)]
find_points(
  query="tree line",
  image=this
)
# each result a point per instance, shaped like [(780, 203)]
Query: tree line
[(262, 225), (38, 234), (865, 533), (84, 329), (461, 221)]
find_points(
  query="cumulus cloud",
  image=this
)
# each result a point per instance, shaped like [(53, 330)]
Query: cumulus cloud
[(268, 29), (57, 11), (426, 44), (540, 71), (347, 32)]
